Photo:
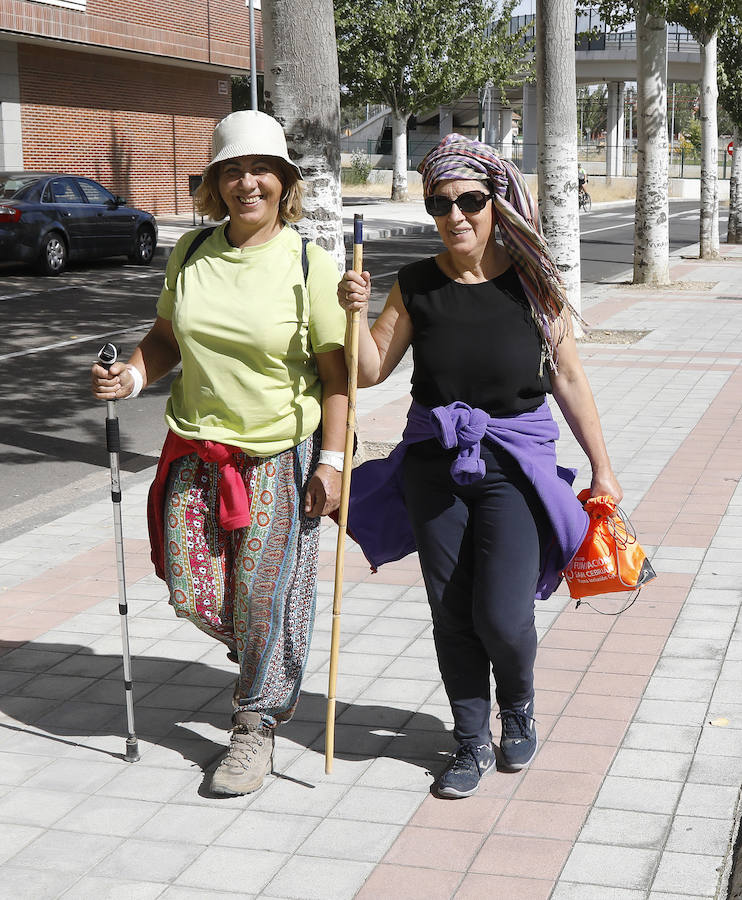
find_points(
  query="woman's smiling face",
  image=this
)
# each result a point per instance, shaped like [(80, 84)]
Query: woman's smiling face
[(251, 188), (464, 232)]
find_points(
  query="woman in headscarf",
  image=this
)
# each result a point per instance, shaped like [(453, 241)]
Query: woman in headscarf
[(493, 518), (256, 422)]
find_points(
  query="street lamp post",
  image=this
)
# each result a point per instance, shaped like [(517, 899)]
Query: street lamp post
[(253, 62), (672, 125)]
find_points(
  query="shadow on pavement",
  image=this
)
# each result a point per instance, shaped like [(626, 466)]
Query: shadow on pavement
[(66, 694)]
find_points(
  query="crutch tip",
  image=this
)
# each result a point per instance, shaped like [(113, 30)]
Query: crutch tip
[(132, 750)]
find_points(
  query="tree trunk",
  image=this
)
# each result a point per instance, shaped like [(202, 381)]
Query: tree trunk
[(734, 227), (709, 153), (302, 93), (399, 155), (651, 227), (557, 138)]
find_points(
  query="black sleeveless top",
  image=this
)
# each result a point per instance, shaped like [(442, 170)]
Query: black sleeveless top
[(473, 342)]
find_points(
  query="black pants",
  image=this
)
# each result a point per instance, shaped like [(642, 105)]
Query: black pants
[(480, 549)]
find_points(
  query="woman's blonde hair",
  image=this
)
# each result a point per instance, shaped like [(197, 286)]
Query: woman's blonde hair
[(209, 201)]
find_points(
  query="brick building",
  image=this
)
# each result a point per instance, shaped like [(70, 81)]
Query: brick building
[(123, 91)]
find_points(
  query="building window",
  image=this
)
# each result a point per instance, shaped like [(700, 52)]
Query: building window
[(69, 4)]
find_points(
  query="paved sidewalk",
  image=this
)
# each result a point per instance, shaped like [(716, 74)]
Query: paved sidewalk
[(634, 792)]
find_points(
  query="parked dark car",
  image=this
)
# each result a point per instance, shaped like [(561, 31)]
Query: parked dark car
[(48, 219)]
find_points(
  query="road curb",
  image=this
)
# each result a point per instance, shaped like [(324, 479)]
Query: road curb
[(370, 234)]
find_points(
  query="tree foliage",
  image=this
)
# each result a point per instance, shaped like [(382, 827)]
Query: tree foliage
[(414, 55), (702, 18), (687, 101), (617, 13), (592, 110)]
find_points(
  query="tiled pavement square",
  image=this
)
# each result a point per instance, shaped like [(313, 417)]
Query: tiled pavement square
[(141, 860), (107, 816), (690, 874), (639, 794), (626, 828), (695, 834), (301, 877), (598, 864), (213, 869), (350, 839)]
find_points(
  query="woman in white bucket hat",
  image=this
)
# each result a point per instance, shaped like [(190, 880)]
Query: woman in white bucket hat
[(256, 422)]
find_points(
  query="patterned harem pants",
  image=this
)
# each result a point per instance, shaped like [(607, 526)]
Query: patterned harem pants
[(254, 588)]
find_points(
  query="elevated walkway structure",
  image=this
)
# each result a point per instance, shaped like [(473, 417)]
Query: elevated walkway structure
[(607, 57)]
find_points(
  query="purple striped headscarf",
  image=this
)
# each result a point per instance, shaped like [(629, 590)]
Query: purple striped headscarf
[(460, 158)]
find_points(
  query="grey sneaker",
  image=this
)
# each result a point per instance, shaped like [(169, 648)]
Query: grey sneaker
[(461, 776), (518, 743), (249, 757)]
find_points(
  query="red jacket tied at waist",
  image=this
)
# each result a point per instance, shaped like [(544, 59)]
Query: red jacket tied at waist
[(234, 503)]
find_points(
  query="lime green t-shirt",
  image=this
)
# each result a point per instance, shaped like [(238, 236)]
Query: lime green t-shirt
[(248, 333)]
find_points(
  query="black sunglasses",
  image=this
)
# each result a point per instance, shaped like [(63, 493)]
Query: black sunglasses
[(470, 202)]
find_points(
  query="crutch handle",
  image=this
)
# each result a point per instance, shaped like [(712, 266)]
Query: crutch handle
[(108, 355)]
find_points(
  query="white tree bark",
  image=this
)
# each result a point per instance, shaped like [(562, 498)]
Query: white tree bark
[(651, 227), (399, 156), (302, 93), (557, 138), (734, 226), (709, 153)]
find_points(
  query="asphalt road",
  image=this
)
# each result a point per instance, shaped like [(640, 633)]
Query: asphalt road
[(52, 437)]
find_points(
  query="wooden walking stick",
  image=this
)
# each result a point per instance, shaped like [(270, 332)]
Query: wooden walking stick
[(344, 498)]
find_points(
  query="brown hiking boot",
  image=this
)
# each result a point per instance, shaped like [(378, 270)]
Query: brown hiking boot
[(249, 757)]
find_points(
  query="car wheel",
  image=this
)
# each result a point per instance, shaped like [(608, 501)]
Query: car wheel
[(53, 257), (144, 246)]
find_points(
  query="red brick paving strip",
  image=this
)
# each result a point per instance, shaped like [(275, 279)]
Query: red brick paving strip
[(30, 609)]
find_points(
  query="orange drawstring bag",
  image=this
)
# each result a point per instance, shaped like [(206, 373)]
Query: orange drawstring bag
[(610, 558)]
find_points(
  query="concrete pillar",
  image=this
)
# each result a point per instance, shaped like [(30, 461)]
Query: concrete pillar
[(445, 117), (492, 122), (530, 128), (614, 135), (506, 132), (11, 135)]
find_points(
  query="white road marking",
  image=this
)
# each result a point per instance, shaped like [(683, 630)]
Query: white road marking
[(75, 286), (386, 274), (624, 224), (80, 340), (33, 293)]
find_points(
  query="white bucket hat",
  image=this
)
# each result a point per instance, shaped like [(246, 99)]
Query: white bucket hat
[(248, 132)]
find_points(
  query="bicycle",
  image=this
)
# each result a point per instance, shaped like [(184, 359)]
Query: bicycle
[(584, 200)]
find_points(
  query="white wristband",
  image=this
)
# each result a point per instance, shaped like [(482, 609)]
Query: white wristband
[(138, 382), (332, 458)]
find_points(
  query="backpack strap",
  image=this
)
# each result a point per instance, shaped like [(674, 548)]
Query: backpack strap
[(201, 236), (304, 259)]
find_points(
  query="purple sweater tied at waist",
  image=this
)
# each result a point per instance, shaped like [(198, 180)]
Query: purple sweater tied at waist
[(377, 516)]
